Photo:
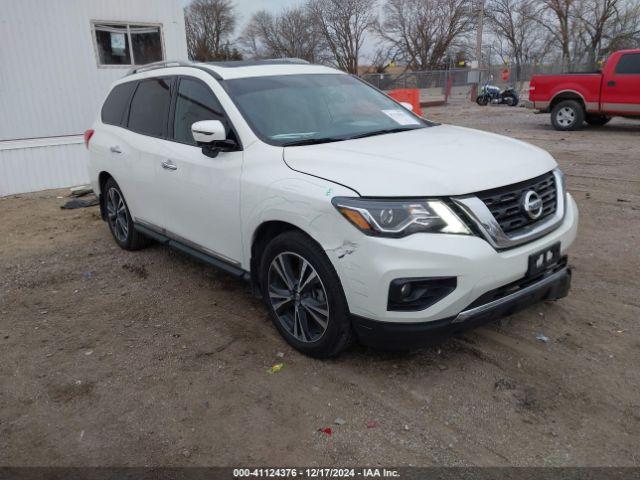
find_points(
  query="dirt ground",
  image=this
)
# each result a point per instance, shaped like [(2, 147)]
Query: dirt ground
[(115, 358)]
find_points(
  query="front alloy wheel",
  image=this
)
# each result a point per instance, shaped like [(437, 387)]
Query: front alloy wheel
[(304, 295), (298, 297)]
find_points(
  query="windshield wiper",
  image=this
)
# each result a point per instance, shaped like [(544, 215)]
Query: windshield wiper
[(381, 132), (314, 141), (311, 141)]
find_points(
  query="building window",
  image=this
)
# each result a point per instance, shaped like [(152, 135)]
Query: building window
[(128, 44)]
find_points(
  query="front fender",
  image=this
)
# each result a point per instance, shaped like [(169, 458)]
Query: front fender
[(305, 203)]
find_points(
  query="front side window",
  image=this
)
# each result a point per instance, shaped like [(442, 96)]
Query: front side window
[(629, 64), (194, 102), (313, 108), (150, 107), (127, 44)]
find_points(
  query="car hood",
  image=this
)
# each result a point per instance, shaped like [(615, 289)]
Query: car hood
[(434, 161)]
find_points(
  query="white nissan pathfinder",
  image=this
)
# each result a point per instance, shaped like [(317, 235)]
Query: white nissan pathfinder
[(351, 216)]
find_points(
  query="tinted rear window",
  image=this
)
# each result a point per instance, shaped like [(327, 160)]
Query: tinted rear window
[(150, 107), (116, 103), (629, 64)]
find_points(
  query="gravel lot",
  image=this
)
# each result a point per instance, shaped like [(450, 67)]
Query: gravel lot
[(115, 358)]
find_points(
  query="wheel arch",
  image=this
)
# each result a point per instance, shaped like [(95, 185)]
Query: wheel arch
[(102, 180), (262, 235), (567, 95)]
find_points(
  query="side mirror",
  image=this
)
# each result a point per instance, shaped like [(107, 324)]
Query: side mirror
[(212, 137), (407, 105), (208, 131)]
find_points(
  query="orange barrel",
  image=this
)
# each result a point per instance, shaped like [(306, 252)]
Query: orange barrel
[(409, 95)]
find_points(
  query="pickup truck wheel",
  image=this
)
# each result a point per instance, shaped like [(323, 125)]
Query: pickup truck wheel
[(597, 120), (567, 115), (304, 296), (119, 219)]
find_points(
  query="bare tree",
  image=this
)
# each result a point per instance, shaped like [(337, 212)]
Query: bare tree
[(596, 19), (608, 23), (288, 34), (625, 31), (343, 24), (423, 32), (209, 25), (517, 32), (561, 19), (382, 59)]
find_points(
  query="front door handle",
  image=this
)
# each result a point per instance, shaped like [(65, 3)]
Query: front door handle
[(115, 149), (611, 83), (169, 165)]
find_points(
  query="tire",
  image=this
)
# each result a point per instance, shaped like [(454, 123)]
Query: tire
[(299, 317), (482, 100), (119, 219), (597, 120), (567, 115), (511, 100)]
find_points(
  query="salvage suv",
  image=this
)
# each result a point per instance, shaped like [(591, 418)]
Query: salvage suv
[(351, 216)]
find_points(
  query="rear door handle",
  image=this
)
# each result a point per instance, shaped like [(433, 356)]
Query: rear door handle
[(115, 149), (611, 83), (169, 165)]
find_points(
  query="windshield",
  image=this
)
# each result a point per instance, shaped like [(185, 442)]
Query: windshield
[(316, 108)]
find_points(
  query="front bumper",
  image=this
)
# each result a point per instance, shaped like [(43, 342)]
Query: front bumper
[(368, 266), (393, 335)]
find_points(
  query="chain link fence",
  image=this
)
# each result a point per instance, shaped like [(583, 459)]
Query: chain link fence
[(442, 86), (436, 86)]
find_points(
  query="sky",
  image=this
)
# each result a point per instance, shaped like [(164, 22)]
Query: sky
[(246, 8)]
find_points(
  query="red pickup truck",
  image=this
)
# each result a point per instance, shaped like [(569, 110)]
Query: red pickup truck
[(575, 98)]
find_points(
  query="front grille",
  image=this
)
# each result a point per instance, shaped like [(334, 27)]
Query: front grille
[(505, 203)]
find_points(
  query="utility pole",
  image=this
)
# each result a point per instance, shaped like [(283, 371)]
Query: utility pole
[(479, 37)]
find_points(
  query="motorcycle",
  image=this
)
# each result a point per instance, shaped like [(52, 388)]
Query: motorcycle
[(493, 94)]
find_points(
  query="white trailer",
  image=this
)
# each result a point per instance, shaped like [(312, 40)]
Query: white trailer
[(57, 60)]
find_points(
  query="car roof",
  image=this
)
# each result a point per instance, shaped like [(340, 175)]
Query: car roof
[(240, 69)]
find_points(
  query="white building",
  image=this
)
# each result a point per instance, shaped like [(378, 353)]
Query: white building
[(57, 60)]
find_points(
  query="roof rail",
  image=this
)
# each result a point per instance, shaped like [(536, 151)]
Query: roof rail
[(162, 64), (266, 61)]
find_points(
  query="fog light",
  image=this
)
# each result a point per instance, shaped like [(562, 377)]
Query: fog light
[(413, 294)]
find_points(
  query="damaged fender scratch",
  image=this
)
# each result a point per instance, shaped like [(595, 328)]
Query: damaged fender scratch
[(347, 248)]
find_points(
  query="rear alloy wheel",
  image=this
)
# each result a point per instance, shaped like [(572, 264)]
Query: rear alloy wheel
[(117, 215), (304, 295), (567, 115), (119, 218)]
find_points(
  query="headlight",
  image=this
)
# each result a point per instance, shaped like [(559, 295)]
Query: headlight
[(398, 218)]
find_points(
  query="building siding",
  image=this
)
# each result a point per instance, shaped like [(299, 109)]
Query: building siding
[(52, 86), (39, 168)]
